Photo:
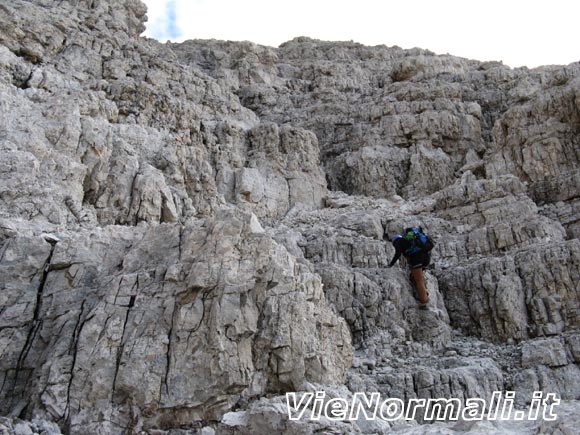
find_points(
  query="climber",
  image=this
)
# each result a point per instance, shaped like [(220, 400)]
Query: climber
[(416, 247)]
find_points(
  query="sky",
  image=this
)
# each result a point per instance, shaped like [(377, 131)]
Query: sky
[(517, 32)]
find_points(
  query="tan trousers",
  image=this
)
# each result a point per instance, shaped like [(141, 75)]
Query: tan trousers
[(419, 280)]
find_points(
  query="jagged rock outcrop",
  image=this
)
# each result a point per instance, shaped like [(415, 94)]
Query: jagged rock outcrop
[(147, 320), (188, 231), (20, 427)]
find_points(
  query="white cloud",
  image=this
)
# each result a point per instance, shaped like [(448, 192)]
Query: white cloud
[(518, 32), (162, 20)]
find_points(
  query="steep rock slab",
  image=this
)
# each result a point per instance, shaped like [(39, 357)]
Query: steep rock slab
[(159, 326), (530, 294), (391, 121), (133, 135)]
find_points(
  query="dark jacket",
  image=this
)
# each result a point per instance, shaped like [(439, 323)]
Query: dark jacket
[(420, 258), (401, 245)]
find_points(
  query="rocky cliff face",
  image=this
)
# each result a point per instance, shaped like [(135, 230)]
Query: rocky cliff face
[(188, 231)]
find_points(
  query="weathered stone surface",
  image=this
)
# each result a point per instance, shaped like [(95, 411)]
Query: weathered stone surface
[(271, 416), (11, 426), (187, 231), (101, 311)]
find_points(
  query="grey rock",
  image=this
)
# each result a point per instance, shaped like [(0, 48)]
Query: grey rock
[(254, 311), (16, 426), (549, 352), (188, 231), (22, 429)]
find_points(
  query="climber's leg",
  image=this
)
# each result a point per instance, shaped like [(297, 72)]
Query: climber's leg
[(419, 280)]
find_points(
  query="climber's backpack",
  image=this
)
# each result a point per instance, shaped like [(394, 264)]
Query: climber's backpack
[(420, 242)]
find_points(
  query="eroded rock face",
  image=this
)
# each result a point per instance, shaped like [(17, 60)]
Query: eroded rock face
[(147, 320), (407, 121), (188, 231), (134, 135)]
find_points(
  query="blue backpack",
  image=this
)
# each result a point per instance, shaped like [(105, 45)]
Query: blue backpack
[(419, 241)]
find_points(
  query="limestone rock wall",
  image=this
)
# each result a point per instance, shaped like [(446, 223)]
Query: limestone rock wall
[(406, 121), (119, 172), (134, 135), (148, 321), (473, 149), (188, 231)]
